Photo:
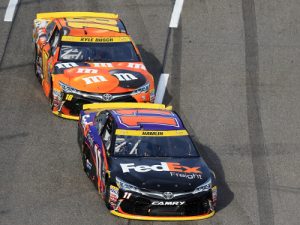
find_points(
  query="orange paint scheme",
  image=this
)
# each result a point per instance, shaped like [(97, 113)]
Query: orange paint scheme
[(70, 77)]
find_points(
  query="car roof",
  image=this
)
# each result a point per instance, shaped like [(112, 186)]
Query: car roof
[(146, 119), (87, 26)]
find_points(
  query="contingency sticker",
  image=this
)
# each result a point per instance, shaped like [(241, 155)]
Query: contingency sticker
[(113, 194)]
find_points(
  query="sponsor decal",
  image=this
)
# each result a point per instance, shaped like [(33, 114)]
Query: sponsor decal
[(128, 78), (56, 98), (173, 203), (151, 133), (136, 66), (105, 65), (96, 39), (66, 65), (125, 76), (92, 39), (94, 79), (113, 194), (86, 70), (187, 176), (163, 166)]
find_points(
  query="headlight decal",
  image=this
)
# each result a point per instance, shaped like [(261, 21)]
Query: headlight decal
[(203, 187), (126, 186), (143, 89)]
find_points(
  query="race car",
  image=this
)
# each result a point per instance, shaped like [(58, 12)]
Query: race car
[(86, 57), (144, 164)]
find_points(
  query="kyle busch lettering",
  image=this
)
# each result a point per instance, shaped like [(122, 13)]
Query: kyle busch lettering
[(163, 166)]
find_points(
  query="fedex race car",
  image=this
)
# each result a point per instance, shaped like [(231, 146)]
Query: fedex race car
[(144, 164), (85, 57)]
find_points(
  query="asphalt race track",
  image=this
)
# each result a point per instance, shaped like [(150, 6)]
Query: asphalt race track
[(234, 77)]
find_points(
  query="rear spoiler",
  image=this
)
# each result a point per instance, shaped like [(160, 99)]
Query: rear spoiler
[(122, 105), (50, 15)]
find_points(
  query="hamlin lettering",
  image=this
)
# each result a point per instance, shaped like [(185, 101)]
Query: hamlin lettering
[(152, 133), (163, 166)]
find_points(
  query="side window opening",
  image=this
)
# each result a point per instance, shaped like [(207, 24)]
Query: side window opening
[(101, 120), (50, 28), (53, 41), (107, 133)]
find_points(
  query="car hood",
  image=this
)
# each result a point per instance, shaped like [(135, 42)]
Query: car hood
[(102, 77), (162, 174)]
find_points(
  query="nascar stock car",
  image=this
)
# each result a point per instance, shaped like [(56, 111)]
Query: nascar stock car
[(86, 57), (143, 162)]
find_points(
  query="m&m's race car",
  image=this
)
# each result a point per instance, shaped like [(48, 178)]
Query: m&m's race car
[(143, 162), (86, 57)]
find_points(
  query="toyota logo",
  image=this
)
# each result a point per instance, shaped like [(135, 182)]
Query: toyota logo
[(107, 97), (168, 195)]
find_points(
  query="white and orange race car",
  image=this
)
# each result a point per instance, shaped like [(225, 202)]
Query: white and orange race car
[(86, 57)]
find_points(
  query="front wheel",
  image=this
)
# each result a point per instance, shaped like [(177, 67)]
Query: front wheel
[(51, 96), (107, 194)]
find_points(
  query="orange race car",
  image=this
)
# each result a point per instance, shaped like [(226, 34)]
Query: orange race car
[(85, 57)]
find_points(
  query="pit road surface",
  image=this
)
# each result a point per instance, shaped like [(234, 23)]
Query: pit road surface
[(235, 80)]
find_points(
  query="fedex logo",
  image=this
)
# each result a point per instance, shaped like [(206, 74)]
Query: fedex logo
[(163, 166)]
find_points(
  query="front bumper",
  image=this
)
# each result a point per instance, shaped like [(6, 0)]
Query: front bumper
[(132, 205), (69, 105), (162, 218)]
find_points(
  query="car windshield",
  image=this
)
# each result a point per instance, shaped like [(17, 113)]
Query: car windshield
[(154, 146), (98, 52)]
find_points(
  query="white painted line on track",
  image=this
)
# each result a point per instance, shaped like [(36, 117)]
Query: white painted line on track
[(176, 13), (161, 88), (10, 11)]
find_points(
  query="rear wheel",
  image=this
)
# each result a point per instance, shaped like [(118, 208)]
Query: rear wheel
[(88, 165), (35, 64)]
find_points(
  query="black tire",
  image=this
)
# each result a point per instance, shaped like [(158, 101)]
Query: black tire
[(91, 173), (107, 193), (36, 58), (83, 157), (80, 138), (51, 96)]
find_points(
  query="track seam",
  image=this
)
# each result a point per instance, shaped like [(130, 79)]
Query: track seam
[(256, 135), (9, 33)]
